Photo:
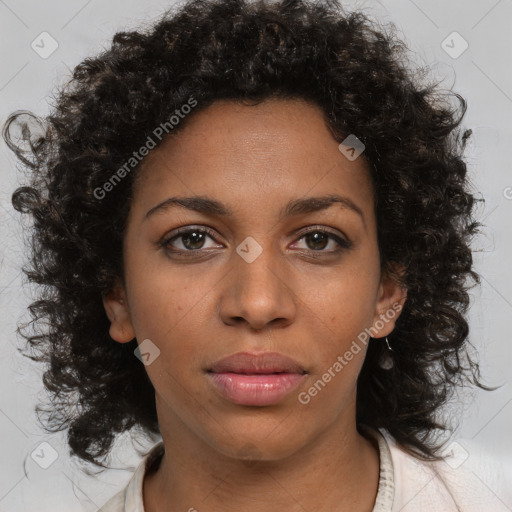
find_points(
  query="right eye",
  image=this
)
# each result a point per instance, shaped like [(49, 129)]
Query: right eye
[(192, 239)]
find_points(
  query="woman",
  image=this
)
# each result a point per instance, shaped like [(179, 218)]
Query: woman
[(254, 225)]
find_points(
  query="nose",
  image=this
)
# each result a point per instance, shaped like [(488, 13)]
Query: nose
[(258, 292)]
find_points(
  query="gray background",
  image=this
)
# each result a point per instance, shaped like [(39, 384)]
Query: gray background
[(482, 74)]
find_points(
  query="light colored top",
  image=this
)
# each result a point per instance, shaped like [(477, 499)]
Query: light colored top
[(464, 481)]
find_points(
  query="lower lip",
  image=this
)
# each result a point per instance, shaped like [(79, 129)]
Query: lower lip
[(260, 389)]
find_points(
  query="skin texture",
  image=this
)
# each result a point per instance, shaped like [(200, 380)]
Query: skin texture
[(299, 297)]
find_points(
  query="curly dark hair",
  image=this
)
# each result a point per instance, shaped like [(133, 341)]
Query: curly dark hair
[(359, 73)]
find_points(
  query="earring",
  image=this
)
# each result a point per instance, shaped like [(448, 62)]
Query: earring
[(386, 361)]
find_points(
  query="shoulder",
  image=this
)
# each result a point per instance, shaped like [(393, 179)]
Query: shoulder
[(468, 479), (130, 499)]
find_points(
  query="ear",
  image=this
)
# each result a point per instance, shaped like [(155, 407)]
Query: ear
[(390, 301), (118, 312)]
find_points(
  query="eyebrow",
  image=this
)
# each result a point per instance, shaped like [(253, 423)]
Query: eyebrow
[(208, 206)]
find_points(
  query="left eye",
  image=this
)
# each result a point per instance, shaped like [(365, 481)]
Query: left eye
[(193, 239), (319, 240)]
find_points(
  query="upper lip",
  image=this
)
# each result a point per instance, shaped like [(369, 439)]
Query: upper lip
[(266, 362)]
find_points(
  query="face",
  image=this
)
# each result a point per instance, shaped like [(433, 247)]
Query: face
[(271, 273)]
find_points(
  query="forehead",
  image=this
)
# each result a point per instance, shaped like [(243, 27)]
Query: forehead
[(260, 153)]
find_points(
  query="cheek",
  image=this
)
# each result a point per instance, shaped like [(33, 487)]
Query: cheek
[(338, 352), (169, 308), (164, 297), (342, 311), (346, 304)]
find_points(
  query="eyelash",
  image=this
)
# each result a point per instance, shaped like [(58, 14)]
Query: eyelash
[(344, 244)]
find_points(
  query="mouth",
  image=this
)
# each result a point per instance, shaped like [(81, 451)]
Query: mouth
[(263, 363), (255, 379)]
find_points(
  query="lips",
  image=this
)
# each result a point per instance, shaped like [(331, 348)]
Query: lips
[(256, 379), (266, 362)]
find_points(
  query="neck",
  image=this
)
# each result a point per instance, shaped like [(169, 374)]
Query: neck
[(339, 470)]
